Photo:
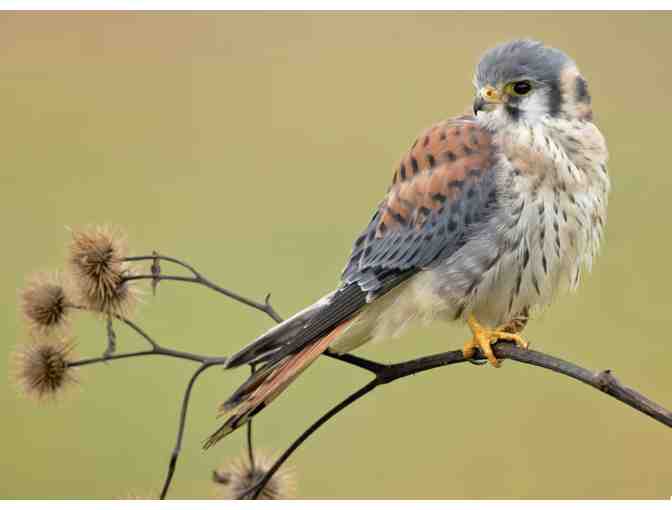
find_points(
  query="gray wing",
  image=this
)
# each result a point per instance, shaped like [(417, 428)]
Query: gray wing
[(444, 188)]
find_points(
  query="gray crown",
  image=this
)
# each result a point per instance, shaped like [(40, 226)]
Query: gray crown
[(521, 58)]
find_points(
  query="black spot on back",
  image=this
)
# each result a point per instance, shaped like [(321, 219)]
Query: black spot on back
[(399, 218), (424, 211)]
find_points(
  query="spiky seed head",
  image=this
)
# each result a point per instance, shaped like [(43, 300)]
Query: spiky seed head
[(41, 368), (97, 262), (45, 304), (237, 477)]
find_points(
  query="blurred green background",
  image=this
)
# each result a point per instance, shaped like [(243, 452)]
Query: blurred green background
[(256, 146)]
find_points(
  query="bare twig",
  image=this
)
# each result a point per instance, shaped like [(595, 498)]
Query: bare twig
[(172, 463), (111, 339), (198, 278), (157, 350), (363, 363), (255, 490), (383, 374), (160, 351), (156, 276), (603, 381)]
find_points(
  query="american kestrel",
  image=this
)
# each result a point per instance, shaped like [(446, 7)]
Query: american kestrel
[(487, 217)]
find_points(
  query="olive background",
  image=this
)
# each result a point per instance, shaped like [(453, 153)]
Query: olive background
[(256, 146)]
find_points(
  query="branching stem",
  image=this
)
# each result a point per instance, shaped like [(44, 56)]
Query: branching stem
[(201, 280), (172, 463), (158, 350), (603, 381)]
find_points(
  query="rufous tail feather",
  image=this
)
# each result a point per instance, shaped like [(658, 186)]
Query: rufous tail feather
[(272, 384)]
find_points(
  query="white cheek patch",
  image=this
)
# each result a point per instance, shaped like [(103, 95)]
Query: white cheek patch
[(535, 106)]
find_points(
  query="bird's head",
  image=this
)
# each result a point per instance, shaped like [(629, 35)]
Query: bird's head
[(524, 80)]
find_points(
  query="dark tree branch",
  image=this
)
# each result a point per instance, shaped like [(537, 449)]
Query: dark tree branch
[(254, 491), (198, 278), (102, 359), (264, 307), (172, 463), (156, 350), (383, 374), (111, 339), (603, 381), (363, 363), (138, 330), (160, 351)]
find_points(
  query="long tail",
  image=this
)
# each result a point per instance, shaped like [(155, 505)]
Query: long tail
[(286, 350), (265, 385)]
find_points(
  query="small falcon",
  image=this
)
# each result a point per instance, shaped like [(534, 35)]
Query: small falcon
[(487, 217)]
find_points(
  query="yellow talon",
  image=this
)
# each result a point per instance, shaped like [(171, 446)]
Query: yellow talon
[(484, 338)]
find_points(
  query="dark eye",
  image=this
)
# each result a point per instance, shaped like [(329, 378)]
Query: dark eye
[(520, 88)]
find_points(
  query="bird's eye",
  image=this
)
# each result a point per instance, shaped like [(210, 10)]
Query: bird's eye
[(520, 88)]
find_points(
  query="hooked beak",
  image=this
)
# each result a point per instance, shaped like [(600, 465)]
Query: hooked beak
[(486, 99)]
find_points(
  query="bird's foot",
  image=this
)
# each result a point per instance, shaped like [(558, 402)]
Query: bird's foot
[(484, 338)]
